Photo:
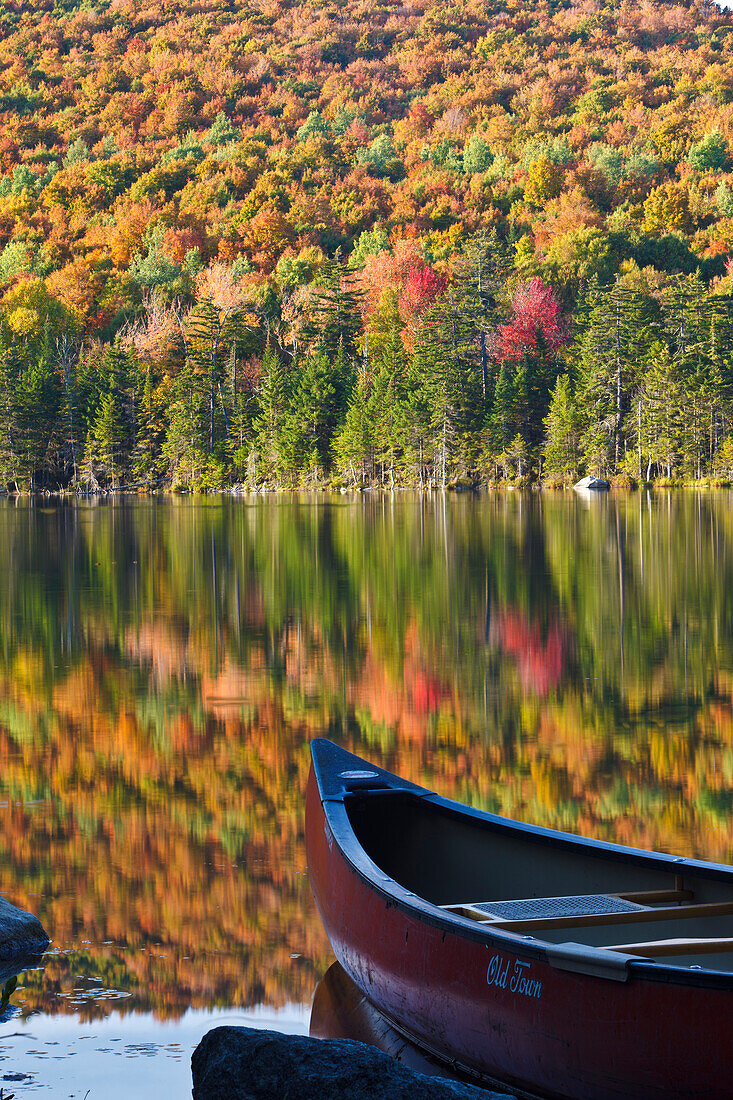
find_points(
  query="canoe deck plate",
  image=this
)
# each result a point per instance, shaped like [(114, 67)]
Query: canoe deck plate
[(579, 905)]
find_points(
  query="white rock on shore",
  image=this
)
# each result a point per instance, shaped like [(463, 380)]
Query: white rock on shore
[(592, 485)]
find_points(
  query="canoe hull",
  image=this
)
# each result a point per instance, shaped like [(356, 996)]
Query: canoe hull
[(499, 1012)]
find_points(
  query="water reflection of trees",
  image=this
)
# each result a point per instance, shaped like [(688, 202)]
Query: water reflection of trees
[(162, 666)]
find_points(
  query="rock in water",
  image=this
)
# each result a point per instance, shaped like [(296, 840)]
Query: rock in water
[(243, 1063), (592, 485), (20, 933)]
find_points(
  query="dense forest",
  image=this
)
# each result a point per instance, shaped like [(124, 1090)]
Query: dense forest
[(298, 243)]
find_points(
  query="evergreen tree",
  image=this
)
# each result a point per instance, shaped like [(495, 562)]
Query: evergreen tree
[(186, 442), (67, 354), (206, 334), (610, 344), (106, 442), (387, 405), (37, 414), (531, 341), (335, 313), (505, 415), (148, 462), (421, 370), (316, 407), (659, 413), (449, 376), (274, 423), (562, 450), (12, 427), (432, 407), (353, 445), (479, 279)]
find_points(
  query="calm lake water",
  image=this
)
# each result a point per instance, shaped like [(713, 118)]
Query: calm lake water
[(163, 665)]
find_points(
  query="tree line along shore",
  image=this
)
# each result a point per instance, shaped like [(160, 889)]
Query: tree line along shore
[(388, 374)]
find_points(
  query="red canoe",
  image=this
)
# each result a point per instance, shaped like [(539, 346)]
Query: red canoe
[(563, 966)]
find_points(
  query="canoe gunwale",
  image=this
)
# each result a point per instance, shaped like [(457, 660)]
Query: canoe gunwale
[(336, 794)]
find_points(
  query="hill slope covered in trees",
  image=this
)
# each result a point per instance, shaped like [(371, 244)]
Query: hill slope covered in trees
[(287, 243)]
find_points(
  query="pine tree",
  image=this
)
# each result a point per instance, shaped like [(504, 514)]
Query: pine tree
[(506, 411), (148, 461), (687, 315), (214, 326), (562, 450), (186, 442), (418, 435), (315, 406), (272, 422), (432, 409), (106, 442), (611, 341), (478, 281), (449, 378), (335, 313), (387, 405), (10, 432), (353, 445), (531, 339), (37, 413), (660, 427), (67, 357)]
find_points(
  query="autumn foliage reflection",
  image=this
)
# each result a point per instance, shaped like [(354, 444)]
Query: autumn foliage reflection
[(163, 667)]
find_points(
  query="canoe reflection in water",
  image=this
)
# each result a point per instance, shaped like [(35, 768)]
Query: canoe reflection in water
[(341, 1011)]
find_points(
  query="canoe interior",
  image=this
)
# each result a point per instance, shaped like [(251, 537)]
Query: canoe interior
[(453, 859)]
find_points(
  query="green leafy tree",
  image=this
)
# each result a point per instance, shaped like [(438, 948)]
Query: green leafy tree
[(221, 131), (315, 126), (477, 155), (381, 158), (709, 154)]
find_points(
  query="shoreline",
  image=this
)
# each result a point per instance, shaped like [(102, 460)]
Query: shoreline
[(241, 490)]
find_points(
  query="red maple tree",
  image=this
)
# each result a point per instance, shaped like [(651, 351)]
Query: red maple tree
[(537, 315), (421, 288)]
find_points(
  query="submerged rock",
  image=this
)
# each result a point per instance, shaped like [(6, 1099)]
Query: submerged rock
[(20, 932), (243, 1063), (592, 484)]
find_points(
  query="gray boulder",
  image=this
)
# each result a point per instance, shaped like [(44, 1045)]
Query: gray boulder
[(243, 1063), (20, 933), (592, 485)]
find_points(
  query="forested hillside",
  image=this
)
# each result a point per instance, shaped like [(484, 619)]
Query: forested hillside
[(297, 243)]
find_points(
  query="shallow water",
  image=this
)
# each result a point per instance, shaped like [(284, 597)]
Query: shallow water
[(163, 665)]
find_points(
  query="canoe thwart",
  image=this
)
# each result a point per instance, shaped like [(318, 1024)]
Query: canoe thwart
[(660, 948), (656, 897)]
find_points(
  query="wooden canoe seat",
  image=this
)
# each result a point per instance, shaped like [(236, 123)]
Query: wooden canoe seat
[(570, 906), (586, 910)]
